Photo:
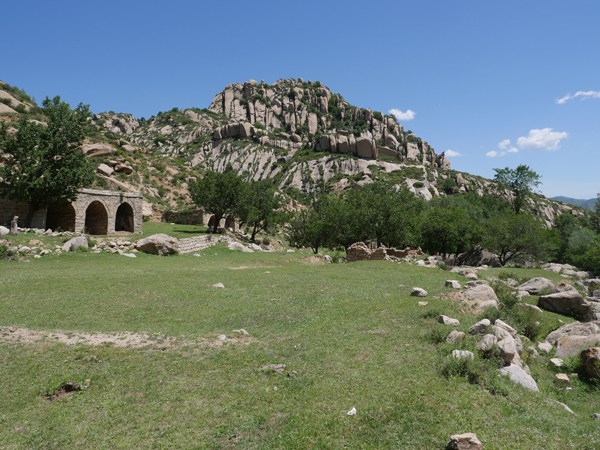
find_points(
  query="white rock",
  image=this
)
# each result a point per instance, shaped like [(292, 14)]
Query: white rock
[(545, 347), (448, 321), (219, 285), (480, 327), (519, 376), (487, 342), (556, 362), (418, 292), (129, 255), (462, 354), (453, 284), (454, 336)]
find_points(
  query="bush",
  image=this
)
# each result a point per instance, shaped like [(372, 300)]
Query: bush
[(418, 184)]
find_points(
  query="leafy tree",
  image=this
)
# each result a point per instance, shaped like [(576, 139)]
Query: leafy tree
[(446, 230), (386, 214), (218, 194), (520, 182), (312, 227), (511, 236), (590, 260), (258, 206), (45, 165)]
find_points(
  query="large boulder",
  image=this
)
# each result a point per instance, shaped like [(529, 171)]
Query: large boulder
[(592, 284), (572, 345), (75, 243), (3, 231), (483, 295), (535, 286), (569, 303), (238, 246), (573, 329), (518, 376), (591, 361), (159, 244), (97, 149)]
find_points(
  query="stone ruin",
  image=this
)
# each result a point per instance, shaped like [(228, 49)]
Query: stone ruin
[(359, 251), (99, 212)]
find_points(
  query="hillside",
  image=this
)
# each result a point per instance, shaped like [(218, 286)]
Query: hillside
[(297, 133)]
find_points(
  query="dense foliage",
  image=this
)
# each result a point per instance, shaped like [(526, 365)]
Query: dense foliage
[(45, 165)]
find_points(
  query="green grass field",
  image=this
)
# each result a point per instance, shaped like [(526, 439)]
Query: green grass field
[(352, 334)]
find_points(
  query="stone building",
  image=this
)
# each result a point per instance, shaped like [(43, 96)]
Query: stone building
[(99, 212)]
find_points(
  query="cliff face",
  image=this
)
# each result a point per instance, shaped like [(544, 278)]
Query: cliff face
[(297, 133)]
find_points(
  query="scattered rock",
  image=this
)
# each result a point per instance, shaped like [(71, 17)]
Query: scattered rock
[(453, 284), (237, 246), (556, 362), (487, 342), (455, 336), (569, 303), (483, 295), (573, 329), (418, 292), (462, 354), (466, 441), (471, 276), (219, 285), (480, 327), (563, 377), (508, 350), (242, 332), (528, 306), (572, 345), (519, 376), (566, 407), (423, 303), (4, 231), (105, 170), (535, 286), (159, 244), (448, 321), (545, 347), (595, 416), (75, 243), (279, 368)]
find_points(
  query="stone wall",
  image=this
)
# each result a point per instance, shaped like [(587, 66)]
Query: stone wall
[(197, 243), (100, 212), (359, 251), (185, 217)]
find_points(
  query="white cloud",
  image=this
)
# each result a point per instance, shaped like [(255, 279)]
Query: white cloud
[(583, 94), (544, 139), (494, 153), (403, 116), (452, 153), (505, 145)]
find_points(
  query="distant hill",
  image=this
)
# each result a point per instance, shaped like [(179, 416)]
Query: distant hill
[(587, 204)]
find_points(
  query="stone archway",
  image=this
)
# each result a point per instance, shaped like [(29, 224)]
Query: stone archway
[(124, 218), (211, 221), (61, 217), (96, 218), (230, 223)]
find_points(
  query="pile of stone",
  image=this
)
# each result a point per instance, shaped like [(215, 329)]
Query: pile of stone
[(359, 251), (567, 270), (119, 165)]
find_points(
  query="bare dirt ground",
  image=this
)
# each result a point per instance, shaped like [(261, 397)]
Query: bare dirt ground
[(26, 336)]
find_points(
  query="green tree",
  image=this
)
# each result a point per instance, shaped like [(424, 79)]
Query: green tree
[(446, 230), (44, 163), (520, 182), (387, 214), (312, 227), (218, 194), (512, 236), (258, 206)]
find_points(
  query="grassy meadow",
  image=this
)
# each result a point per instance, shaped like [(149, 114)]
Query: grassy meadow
[(350, 335)]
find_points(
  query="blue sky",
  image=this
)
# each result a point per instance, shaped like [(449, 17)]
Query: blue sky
[(474, 73)]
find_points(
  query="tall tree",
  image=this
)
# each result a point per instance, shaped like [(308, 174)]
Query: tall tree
[(44, 163), (511, 236), (218, 194), (520, 182), (312, 227), (259, 206), (447, 230), (387, 214)]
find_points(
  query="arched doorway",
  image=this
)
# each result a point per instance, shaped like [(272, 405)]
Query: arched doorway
[(230, 223), (96, 218), (124, 219), (60, 217), (211, 222)]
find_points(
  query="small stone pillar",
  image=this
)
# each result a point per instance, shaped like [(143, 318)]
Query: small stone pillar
[(14, 227)]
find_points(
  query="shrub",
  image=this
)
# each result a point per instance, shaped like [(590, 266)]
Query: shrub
[(418, 184)]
